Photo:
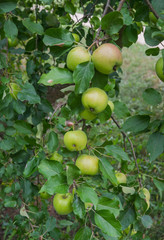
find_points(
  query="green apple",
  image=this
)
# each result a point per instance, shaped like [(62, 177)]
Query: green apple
[(152, 18), (121, 177), (12, 42), (14, 89), (146, 193), (88, 165), (76, 56), (88, 205), (111, 105), (57, 157), (159, 69), (75, 140), (63, 203), (76, 37), (52, 20), (107, 58), (45, 195), (87, 115), (133, 232), (94, 100)]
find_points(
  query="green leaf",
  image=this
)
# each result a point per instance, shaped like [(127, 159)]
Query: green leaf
[(107, 223), (2, 128), (10, 29), (30, 67), (58, 37), (105, 115), (112, 22), (50, 224), (82, 76), (128, 190), (56, 76), (83, 234), (3, 62), (152, 51), (107, 170), (78, 207), (53, 142), (72, 172), (69, 7), (7, 144), (7, 7), (146, 221), (121, 110), (10, 203), (127, 18), (136, 123), (127, 217), (148, 37), (33, 27), (29, 94), (87, 195), (55, 184), (96, 80), (23, 127), (130, 35), (109, 204), (19, 107), (159, 183), (152, 96), (155, 145), (117, 152), (140, 206), (30, 167), (50, 168)]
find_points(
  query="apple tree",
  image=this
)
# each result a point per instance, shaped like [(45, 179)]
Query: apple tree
[(70, 167)]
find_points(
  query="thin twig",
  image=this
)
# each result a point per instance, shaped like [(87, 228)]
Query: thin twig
[(120, 5), (132, 147), (151, 8), (104, 13)]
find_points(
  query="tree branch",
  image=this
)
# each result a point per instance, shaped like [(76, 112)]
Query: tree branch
[(120, 5), (151, 8), (132, 147)]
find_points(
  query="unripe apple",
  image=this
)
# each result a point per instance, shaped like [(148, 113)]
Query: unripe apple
[(57, 157), (45, 195), (63, 203), (87, 115), (121, 177), (76, 37), (111, 105), (14, 89), (159, 69), (94, 100), (152, 18), (88, 165), (76, 56), (88, 205), (12, 42), (75, 140), (52, 20), (107, 58)]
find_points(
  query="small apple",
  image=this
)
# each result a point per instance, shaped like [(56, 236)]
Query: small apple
[(133, 232), (111, 105), (75, 140), (87, 115), (63, 203), (76, 37), (76, 56), (45, 195), (88, 165), (88, 205), (12, 42), (152, 18), (121, 177), (159, 69), (94, 100), (14, 89), (107, 58), (57, 157)]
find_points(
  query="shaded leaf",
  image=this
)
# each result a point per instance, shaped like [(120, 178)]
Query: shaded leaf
[(53, 142), (112, 22), (33, 27), (78, 207), (152, 96), (117, 152), (83, 234), (136, 123), (29, 94), (109, 204), (10, 29), (50, 168), (155, 145), (146, 221)]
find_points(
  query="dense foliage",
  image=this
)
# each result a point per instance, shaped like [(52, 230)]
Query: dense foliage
[(40, 100)]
